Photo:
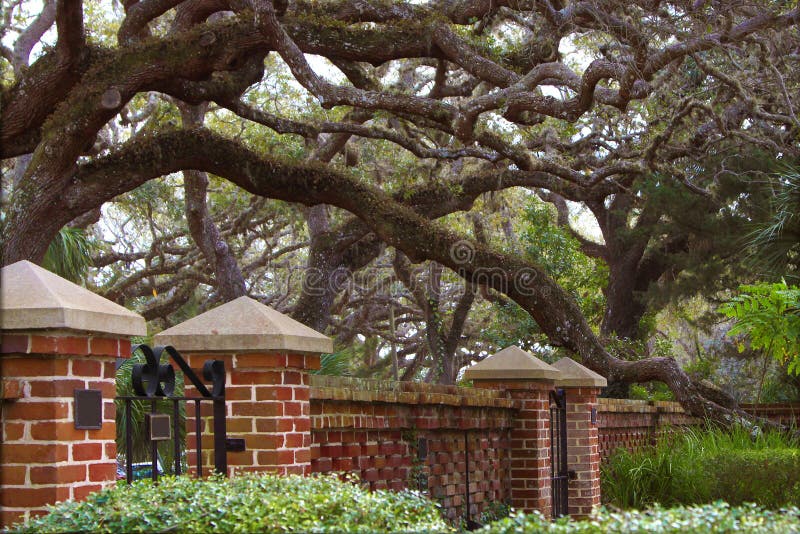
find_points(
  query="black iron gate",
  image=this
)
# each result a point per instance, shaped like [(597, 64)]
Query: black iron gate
[(559, 471), (153, 382)]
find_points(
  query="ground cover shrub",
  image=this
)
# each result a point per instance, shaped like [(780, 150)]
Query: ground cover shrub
[(246, 503), (701, 466), (716, 518)]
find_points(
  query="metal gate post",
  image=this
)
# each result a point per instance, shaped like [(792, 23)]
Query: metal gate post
[(559, 471)]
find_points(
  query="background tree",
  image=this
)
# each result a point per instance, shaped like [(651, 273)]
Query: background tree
[(412, 114)]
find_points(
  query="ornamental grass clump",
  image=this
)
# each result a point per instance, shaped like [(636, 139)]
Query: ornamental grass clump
[(245, 503)]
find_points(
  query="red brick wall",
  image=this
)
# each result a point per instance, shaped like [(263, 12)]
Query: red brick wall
[(407, 435), (530, 470), (637, 423), (785, 413)]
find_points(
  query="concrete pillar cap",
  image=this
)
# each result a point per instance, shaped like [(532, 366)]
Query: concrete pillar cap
[(33, 298), (511, 363), (576, 375), (244, 325)]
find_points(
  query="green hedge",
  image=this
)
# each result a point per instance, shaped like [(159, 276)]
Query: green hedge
[(246, 503), (702, 467), (717, 518), (770, 477)]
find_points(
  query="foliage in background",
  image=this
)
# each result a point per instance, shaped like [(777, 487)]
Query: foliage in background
[(245, 503), (140, 444), (335, 363), (554, 248), (700, 466), (697, 333), (768, 315), (651, 391), (775, 243), (495, 511), (559, 252), (714, 518), (70, 254)]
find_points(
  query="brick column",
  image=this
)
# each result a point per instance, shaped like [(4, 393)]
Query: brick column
[(582, 387), (267, 357), (44, 457), (528, 381), (267, 405)]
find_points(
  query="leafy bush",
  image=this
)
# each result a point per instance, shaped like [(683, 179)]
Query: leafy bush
[(769, 316), (707, 519), (702, 466), (495, 510), (246, 503)]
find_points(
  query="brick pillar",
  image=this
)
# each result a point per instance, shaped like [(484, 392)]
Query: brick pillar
[(267, 405), (582, 387), (583, 450), (530, 443), (268, 357), (44, 457), (528, 381)]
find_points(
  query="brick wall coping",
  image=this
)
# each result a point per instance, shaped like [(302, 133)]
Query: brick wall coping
[(638, 406), (512, 363), (790, 407), (574, 375), (643, 406), (366, 390)]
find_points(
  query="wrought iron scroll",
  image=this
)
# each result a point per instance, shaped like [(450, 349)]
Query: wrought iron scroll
[(154, 380)]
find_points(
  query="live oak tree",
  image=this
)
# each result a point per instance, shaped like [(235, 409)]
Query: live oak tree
[(577, 101)]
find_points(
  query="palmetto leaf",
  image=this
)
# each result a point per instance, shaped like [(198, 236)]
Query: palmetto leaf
[(69, 254)]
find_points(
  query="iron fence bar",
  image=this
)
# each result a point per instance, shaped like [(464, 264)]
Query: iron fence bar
[(153, 447), (559, 475), (220, 437), (176, 429), (564, 475), (128, 442), (155, 381), (198, 438)]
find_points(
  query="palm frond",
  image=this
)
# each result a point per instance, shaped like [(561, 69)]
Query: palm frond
[(69, 254)]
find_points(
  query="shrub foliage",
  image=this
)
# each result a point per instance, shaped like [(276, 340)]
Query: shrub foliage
[(716, 518), (245, 503)]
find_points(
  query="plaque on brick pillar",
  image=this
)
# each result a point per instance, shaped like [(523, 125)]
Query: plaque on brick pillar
[(88, 411)]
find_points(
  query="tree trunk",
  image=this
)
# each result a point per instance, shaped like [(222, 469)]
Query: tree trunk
[(227, 274)]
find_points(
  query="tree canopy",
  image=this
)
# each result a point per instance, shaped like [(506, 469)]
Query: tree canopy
[(315, 153)]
